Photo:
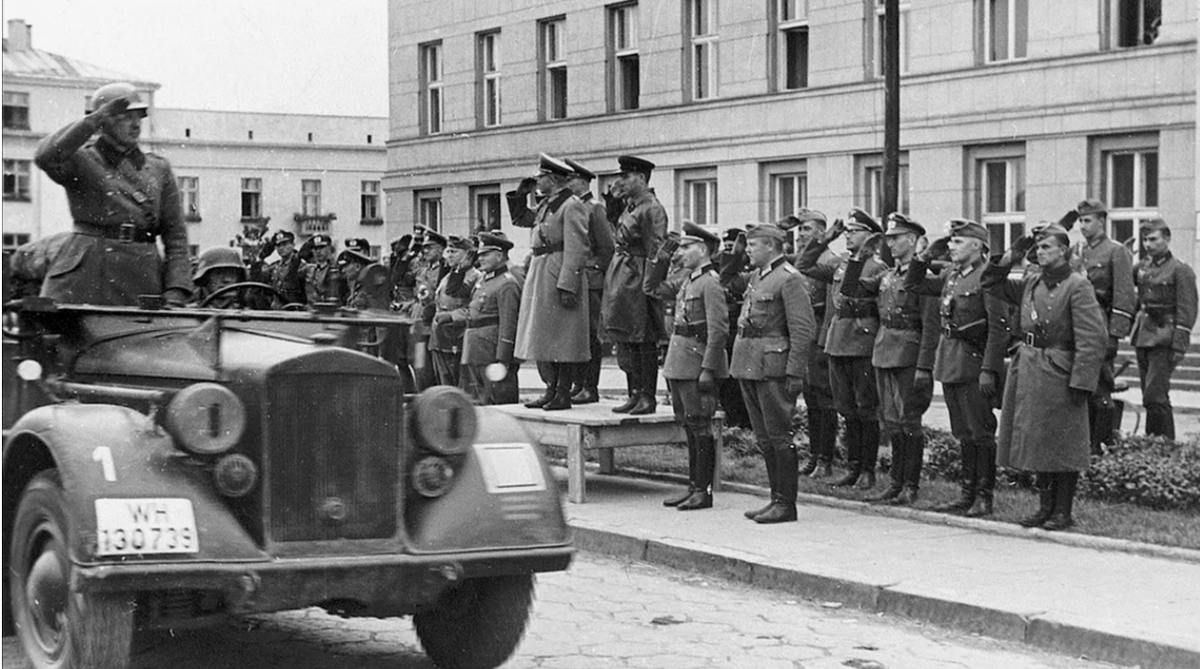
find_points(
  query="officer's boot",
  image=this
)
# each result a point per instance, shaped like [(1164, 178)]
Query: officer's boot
[(772, 476), (632, 382), (706, 461), (1100, 416), (562, 384), (869, 429), (985, 465), (826, 443), (969, 474), (646, 401), (814, 439), (1045, 484), (1064, 500), (900, 448), (783, 501), (547, 370), (853, 454), (914, 457), (676, 500)]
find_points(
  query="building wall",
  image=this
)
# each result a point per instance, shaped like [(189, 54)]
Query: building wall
[(1055, 102)]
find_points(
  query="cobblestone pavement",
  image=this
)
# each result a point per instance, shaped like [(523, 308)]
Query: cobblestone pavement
[(606, 613)]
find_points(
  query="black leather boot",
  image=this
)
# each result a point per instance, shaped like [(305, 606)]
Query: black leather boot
[(815, 429), (676, 500), (633, 384), (853, 454), (966, 497), (914, 458), (1064, 502), (895, 471), (772, 478), (985, 465), (1045, 487), (869, 430), (562, 392), (706, 460), (783, 503), (648, 372)]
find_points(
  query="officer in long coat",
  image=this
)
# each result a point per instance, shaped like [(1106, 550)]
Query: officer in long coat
[(1062, 340), (970, 355), (696, 359), (849, 342), (453, 293), (600, 235), (553, 324), (123, 200), (491, 325), (903, 355), (770, 358), (1108, 265), (1163, 327), (632, 319)]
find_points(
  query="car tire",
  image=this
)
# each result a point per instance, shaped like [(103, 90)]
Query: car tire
[(478, 624), (60, 628)]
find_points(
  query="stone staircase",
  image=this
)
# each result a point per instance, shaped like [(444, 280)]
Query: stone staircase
[(1186, 376)]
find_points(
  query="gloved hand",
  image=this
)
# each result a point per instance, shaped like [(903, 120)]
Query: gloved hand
[(176, 297), (1078, 396), (527, 186), (1021, 246), (1176, 358), (936, 249), (670, 245), (739, 244), (988, 387), (442, 317), (923, 382), (833, 232), (400, 246), (268, 245), (1110, 352), (567, 299), (870, 246), (795, 386), (112, 108), (706, 382)]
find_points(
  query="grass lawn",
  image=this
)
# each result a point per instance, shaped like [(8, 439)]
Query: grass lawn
[(1118, 521)]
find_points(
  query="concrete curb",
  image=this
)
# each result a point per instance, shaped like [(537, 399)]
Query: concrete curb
[(1046, 633)]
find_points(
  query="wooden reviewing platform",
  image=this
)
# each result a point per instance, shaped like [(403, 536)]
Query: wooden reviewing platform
[(595, 426)]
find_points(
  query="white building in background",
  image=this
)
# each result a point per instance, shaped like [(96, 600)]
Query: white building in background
[(236, 170)]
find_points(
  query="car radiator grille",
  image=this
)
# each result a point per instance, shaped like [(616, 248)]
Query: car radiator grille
[(332, 457)]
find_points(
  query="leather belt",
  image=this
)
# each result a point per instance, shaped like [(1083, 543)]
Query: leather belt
[(901, 322), (862, 310), (699, 330), (625, 251), (755, 332), (483, 321), (1036, 340), (549, 248), (126, 232)]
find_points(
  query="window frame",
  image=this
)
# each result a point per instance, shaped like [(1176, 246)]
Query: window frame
[(488, 78), (189, 197), (432, 93), (310, 194), (985, 31), (772, 175), (1112, 20), (1101, 175), (701, 50), (252, 187), (623, 20), (1014, 219), (368, 205), (14, 240), (16, 116), (552, 63), (427, 208), (875, 42), (21, 180), (687, 181), (486, 197), (868, 190), (779, 29)]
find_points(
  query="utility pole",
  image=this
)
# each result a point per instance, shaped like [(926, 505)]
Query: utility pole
[(891, 106)]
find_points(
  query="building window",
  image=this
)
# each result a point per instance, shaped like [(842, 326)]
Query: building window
[(428, 205), (369, 210), (189, 194), (12, 240), (787, 188), (16, 111), (700, 50), (624, 74), (787, 38), (997, 192), (251, 198), (1132, 22), (485, 208), (871, 185), (1127, 181), (432, 104), (488, 69), (310, 197), (1005, 28), (552, 70), (879, 27), (16, 180), (699, 188)]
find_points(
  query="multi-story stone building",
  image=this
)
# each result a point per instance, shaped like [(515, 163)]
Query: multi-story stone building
[(1012, 110), (237, 171)]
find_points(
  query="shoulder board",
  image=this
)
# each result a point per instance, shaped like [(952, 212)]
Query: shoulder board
[(787, 267), (512, 277)]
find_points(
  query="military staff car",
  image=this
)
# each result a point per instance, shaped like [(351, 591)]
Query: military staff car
[(172, 467)]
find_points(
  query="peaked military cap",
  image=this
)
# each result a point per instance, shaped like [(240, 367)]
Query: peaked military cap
[(635, 164), (580, 171), (788, 222), (494, 241), (805, 215), (1052, 230), (456, 242), (767, 230), (283, 236), (731, 234), (320, 241), (356, 248), (1090, 206), (961, 227), (432, 237), (693, 234), (861, 220), (902, 225), (548, 164)]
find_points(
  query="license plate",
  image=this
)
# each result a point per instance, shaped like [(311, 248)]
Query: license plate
[(510, 467), (145, 525)]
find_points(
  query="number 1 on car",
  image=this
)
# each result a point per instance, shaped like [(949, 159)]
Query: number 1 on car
[(103, 455)]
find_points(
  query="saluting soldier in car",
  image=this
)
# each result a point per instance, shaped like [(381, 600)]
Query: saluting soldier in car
[(322, 281), (849, 342), (453, 293), (970, 356), (696, 360), (587, 378), (553, 324), (770, 359), (632, 319), (491, 317), (1063, 336), (1163, 328), (904, 353), (1109, 267), (285, 275), (123, 200), (366, 279)]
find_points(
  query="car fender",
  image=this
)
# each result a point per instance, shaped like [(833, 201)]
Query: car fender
[(104, 451)]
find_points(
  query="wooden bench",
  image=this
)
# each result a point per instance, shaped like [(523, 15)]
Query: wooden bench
[(596, 427)]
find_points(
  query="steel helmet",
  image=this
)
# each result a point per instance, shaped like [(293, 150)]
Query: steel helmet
[(221, 256), (120, 89)]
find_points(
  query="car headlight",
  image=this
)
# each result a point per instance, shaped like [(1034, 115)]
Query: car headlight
[(205, 418), (444, 420), (432, 476)]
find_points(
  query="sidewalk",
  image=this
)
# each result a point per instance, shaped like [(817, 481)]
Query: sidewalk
[(1117, 607)]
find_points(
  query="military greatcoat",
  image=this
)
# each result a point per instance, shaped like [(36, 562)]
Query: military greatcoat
[(121, 201), (628, 314), (1063, 336), (546, 330)]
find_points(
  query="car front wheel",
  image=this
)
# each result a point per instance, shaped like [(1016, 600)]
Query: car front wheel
[(60, 628), (478, 624)]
